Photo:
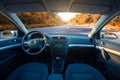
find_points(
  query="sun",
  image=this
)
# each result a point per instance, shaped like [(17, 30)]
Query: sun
[(66, 16)]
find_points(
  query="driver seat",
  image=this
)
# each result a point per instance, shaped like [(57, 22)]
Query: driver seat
[(30, 71)]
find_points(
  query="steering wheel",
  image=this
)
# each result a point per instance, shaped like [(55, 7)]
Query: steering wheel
[(34, 43)]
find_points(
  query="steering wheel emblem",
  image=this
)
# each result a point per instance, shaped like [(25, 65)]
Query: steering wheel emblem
[(33, 42)]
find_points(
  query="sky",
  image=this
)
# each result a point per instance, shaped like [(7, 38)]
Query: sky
[(66, 16)]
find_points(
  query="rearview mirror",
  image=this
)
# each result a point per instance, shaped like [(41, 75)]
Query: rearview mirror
[(109, 36)]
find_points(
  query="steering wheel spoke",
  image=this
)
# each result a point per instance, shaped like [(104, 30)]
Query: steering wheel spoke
[(26, 43), (28, 49)]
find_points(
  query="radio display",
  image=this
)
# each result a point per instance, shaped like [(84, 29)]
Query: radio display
[(59, 45)]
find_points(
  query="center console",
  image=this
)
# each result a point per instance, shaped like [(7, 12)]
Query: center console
[(59, 48), (55, 77)]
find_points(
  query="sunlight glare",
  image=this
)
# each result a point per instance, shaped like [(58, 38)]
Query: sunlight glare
[(66, 16)]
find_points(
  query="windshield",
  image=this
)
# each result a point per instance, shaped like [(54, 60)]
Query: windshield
[(59, 23), (48, 22), (69, 23)]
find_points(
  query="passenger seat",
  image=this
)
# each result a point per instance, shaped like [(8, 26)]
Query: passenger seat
[(82, 72)]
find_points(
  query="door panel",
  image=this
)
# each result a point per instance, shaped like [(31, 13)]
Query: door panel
[(9, 52), (110, 52)]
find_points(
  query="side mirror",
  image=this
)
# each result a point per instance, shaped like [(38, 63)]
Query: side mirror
[(109, 36), (9, 34)]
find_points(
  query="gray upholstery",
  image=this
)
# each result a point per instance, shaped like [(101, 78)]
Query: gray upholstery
[(86, 6), (30, 71), (82, 72)]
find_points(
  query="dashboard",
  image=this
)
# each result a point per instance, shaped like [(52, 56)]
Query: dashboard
[(70, 43), (71, 40)]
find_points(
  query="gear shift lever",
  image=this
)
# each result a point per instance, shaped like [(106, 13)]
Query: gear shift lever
[(57, 63)]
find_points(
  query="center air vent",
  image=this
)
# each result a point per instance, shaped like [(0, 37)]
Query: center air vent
[(59, 38)]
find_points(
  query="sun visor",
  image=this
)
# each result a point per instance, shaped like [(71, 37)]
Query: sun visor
[(26, 7), (90, 8)]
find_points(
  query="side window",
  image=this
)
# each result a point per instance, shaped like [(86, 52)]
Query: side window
[(111, 31), (7, 29)]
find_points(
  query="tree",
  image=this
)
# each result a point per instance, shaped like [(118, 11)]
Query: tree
[(83, 19)]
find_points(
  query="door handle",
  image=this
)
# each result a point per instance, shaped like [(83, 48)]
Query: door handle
[(13, 41), (103, 43)]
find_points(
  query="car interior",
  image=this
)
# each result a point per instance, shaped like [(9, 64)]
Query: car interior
[(42, 54)]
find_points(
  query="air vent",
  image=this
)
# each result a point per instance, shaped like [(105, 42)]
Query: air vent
[(59, 38)]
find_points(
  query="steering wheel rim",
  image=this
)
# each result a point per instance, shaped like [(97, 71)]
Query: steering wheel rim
[(33, 43)]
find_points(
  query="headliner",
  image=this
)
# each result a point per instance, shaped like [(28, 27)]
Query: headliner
[(83, 6)]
